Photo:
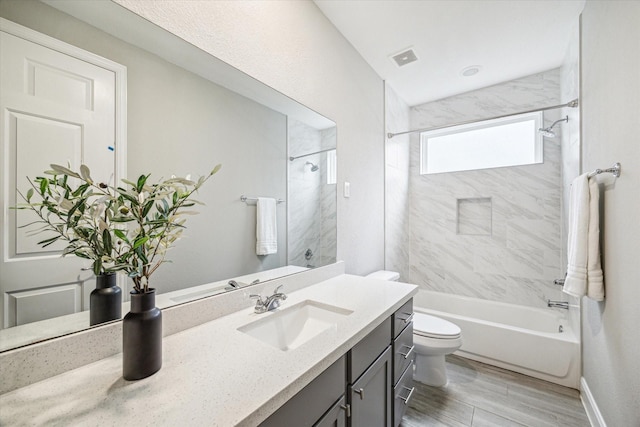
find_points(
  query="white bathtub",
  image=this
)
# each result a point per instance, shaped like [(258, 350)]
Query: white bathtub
[(533, 341)]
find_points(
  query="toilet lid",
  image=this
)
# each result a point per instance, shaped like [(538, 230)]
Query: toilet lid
[(434, 327)]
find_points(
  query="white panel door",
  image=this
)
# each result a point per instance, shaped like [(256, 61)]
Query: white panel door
[(55, 108)]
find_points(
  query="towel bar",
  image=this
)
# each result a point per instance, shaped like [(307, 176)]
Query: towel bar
[(615, 170), (246, 199)]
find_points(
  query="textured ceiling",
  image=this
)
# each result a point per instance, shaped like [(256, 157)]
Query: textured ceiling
[(508, 39)]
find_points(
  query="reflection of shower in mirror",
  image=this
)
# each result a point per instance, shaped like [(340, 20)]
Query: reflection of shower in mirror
[(548, 132)]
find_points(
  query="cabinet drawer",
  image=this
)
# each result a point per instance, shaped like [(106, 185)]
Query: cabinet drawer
[(306, 407), (402, 317), (403, 352), (363, 354), (402, 393)]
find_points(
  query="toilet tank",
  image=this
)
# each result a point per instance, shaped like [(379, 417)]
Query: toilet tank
[(391, 276)]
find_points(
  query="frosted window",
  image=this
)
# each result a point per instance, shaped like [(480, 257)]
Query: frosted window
[(490, 144), (331, 167)]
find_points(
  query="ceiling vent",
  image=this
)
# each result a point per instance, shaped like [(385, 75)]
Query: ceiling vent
[(405, 57)]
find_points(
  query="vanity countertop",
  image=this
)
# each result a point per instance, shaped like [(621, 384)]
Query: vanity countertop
[(212, 374)]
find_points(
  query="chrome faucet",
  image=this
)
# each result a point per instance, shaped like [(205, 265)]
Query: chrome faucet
[(264, 304), (558, 304)]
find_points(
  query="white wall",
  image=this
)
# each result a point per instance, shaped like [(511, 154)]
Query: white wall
[(292, 47), (610, 101)]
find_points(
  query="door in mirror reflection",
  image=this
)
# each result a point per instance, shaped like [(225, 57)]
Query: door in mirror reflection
[(58, 108)]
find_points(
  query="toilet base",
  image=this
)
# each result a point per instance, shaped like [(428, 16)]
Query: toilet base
[(430, 370)]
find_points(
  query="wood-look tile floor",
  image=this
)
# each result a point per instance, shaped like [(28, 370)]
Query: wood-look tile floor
[(481, 395)]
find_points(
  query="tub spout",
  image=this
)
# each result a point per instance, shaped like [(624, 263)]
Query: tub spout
[(558, 304)]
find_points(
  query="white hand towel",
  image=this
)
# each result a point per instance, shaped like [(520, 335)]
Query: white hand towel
[(583, 269), (595, 280), (266, 231)]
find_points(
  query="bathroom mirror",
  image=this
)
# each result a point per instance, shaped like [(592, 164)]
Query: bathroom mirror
[(186, 112)]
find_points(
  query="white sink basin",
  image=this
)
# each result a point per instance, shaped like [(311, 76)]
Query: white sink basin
[(290, 327)]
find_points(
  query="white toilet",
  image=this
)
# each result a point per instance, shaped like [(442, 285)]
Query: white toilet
[(433, 339)]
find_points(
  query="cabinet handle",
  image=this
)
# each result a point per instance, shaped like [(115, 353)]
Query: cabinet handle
[(360, 392), (406, 355), (347, 409), (408, 319), (406, 399)]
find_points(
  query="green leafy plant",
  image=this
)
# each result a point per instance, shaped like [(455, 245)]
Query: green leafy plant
[(117, 228), (156, 216), (75, 209)]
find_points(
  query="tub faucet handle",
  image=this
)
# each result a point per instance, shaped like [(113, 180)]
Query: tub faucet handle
[(560, 282)]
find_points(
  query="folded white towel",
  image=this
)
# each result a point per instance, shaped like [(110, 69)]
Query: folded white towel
[(595, 279), (266, 230), (584, 275)]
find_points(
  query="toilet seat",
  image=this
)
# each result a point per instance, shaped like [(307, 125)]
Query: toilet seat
[(434, 327)]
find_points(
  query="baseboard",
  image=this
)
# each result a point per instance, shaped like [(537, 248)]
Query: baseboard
[(590, 405)]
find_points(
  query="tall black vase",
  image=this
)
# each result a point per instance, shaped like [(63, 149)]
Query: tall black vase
[(142, 337), (105, 301)]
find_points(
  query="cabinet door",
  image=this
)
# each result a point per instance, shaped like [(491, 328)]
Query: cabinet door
[(335, 417), (371, 396)]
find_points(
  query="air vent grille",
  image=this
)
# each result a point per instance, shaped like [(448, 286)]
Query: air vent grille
[(405, 57)]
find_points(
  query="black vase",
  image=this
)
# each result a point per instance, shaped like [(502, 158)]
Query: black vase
[(142, 337), (105, 301)]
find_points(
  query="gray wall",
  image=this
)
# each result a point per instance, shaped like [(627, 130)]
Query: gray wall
[(179, 123), (611, 133), (515, 258), (292, 47)]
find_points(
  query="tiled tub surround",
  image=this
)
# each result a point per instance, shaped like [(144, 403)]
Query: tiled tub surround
[(516, 257), (212, 374)]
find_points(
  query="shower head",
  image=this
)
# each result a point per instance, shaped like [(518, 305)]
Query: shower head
[(548, 132), (313, 167)]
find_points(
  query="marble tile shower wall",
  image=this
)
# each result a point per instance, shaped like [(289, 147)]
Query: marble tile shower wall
[(311, 207), (328, 218), (513, 252)]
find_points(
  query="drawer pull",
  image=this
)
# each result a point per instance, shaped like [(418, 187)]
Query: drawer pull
[(347, 409), (406, 355), (360, 392), (408, 319), (406, 399)]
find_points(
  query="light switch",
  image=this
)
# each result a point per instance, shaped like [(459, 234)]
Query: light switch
[(347, 189)]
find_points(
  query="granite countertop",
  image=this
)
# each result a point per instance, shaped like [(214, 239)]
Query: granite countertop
[(212, 374)]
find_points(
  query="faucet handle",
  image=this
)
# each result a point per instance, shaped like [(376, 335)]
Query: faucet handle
[(277, 289), (257, 297)]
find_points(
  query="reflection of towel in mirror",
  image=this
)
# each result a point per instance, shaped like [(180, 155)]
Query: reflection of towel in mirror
[(584, 274), (266, 231)]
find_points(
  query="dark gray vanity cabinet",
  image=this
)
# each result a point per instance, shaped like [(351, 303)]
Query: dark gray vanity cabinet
[(403, 358), (369, 386), (315, 401)]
